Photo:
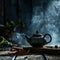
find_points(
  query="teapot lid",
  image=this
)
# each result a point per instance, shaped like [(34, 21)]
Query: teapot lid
[(37, 34)]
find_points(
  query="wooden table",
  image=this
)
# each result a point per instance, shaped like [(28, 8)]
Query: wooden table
[(32, 50)]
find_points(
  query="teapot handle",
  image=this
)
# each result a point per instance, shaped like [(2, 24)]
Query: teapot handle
[(49, 36)]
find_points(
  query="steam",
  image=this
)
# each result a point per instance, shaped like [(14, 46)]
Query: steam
[(19, 39), (52, 17), (37, 19), (48, 22)]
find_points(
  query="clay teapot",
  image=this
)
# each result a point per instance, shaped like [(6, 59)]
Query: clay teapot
[(38, 40)]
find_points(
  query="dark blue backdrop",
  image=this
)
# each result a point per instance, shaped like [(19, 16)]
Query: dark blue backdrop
[(41, 15)]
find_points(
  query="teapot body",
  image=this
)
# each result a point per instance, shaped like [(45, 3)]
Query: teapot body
[(38, 40)]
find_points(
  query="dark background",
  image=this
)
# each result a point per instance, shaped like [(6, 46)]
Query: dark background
[(25, 8), (41, 15)]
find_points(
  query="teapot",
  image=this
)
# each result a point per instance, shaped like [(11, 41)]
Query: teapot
[(38, 40)]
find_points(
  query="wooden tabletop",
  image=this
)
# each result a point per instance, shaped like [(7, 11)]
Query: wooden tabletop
[(32, 50), (38, 50)]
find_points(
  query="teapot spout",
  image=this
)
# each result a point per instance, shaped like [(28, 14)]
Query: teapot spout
[(27, 37)]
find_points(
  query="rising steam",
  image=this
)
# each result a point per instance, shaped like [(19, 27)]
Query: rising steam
[(48, 22)]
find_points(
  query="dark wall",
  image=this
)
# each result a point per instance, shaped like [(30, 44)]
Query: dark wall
[(1, 18), (24, 8)]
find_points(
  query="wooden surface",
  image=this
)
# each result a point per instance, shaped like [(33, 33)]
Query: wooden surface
[(48, 51), (32, 50)]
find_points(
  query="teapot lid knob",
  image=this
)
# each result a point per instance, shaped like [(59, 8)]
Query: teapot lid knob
[(37, 32)]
